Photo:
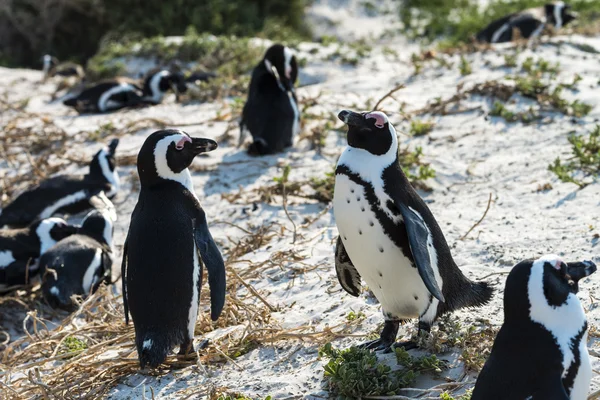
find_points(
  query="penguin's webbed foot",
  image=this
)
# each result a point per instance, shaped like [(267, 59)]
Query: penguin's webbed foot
[(408, 345), (386, 339), (377, 345)]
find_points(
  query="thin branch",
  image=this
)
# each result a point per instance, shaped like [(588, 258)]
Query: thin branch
[(481, 219), (388, 94)]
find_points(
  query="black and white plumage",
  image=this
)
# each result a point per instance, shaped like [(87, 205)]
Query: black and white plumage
[(52, 67), (198, 77), (541, 350), (528, 23), (114, 94), (271, 112), (20, 248), (78, 264), (389, 237), (66, 193), (167, 245)]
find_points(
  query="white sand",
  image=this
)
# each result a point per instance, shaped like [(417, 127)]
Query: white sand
[(472, 156)]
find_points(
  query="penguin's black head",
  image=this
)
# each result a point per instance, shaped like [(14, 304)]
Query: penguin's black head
[(534, 286), (281, 63), (559, 14), (166, 154), (98, 225), (370, 131), (176, 81), (50, 231), (104, 162)]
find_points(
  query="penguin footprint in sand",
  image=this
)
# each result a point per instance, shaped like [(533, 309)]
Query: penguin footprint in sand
[(389, 237), (167, 245), (541, 350)]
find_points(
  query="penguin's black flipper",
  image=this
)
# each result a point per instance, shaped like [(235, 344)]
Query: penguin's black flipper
[(212, 259), (419, 238), (346, 272), (124, 280), (552, 389)]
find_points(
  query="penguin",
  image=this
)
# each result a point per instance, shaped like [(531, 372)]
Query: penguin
[(20, 248), (167, 245), (271, 111), (66, 193), (540, 352), (52, 67), (389, 237), (197, 77), (106, 96), (528, 23), (157, 83)]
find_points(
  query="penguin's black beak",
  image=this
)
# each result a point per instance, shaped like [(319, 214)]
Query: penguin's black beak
[(579, 270), (112, 147), (351, 118), (201, 145)]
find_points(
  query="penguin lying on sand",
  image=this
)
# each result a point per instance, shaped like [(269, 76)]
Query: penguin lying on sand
[(78, 264), (198, 77), (528, 23), (20, 248), (271, 112), (167, 245), (388, 236), (541, 350), (65, 193), (114, 94), (52, 67)]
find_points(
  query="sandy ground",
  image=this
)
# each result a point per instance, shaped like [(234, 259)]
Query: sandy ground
[(473, 155)]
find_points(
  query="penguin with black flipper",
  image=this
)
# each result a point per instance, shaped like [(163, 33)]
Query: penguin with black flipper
[(106, 96), (389, 237), (529, 24), (271, 112), (20, 248), (78, 264), (65, 193), (541, 350), (167, 245), (159, 81)]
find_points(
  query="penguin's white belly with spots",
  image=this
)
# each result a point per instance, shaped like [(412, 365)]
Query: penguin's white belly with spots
[(381, 264), (583, 378)]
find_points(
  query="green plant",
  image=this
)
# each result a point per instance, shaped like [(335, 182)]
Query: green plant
[(510, 60), (73, 345), (448, 396), (464, 66), (537, 68), (500, 110), (585, 161), (414, 168), (324, 187), (420, 128), (419, 364), (352, 316)]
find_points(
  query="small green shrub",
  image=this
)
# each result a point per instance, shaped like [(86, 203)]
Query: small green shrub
[(448, 396), (420, 128), (352, 316), (585, 160), (414, 168), (464, 66)]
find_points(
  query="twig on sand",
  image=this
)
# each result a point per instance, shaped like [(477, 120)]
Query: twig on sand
[(253, 291), (481, 219), (494, 273), (388, 94), (284, 194), (594, 395)]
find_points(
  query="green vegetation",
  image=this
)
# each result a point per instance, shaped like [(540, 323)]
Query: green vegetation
[(73, 345), (464, 66), (324, 187), (500, 110), (429, 19), (420, 128), (356, 372), (414, 168), (352, 316), (510, 60), (585, 161), (537, 68), (74, 30), (448, 396)]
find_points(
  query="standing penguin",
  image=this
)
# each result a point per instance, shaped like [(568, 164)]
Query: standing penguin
[(271, 112), (389, 237), (167, 245), (157, 83), (20, 248), (65, 193), (52, 67), (541, 350), (527, 23), (79, 263)]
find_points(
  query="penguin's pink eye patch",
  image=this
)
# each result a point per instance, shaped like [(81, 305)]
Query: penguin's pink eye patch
[(179, 145), (379, 117)]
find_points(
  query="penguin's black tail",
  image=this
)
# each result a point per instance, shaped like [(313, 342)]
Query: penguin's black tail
[(152, 349), (259, 147), (72, 102), (470, 294)]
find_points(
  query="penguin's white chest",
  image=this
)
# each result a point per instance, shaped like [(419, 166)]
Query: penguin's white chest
[(386, 270), (581, 385)]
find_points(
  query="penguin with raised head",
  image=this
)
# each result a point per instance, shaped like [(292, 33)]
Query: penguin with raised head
[(389, 237), (78, 264), (167, 245), (20, 248), (65, 193), (271, 112), (528, 24), (52, 67), (541, 350), (106, 96)]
